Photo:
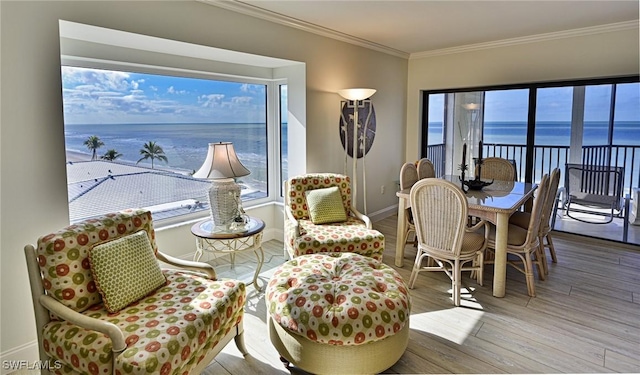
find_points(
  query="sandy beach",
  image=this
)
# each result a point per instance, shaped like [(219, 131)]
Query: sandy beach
[(77, 156)]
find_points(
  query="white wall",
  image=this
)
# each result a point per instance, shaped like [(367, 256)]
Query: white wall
[(33, 196), (606, 54)]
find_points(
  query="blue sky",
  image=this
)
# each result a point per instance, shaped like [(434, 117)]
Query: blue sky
[(93, 96), (554, 104)]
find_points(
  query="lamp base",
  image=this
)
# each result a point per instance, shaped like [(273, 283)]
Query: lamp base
[(224, 198)]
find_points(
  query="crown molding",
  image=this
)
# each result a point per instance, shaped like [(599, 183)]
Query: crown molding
[(253, 11), (619, 26)]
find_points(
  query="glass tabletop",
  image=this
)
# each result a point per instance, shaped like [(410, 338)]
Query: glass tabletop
[(206, 229), (502, 195)]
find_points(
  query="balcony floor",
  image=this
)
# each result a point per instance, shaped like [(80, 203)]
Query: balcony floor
[(611, 231)]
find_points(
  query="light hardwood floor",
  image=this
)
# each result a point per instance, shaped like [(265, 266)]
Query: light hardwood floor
[(585, 318)]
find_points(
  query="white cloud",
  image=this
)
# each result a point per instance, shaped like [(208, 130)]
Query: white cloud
[(211, 100), (252, 89), (99, 96), (241, 100), (172, 90)]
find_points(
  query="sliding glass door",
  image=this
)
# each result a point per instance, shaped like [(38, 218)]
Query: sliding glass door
[(539, 126)]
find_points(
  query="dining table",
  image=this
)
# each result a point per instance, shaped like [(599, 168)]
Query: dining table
[(494, 203)]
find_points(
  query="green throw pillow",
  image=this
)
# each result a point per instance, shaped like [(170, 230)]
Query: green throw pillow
[(125, 270), (325, 205)]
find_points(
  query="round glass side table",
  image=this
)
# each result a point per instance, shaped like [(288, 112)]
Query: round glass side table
[(247, 237)]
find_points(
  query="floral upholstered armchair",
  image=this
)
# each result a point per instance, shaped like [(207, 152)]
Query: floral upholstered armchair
[(103, 305), (319, 218)]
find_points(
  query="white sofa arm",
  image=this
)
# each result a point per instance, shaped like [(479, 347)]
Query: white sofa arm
[(200, 267), (288, 216), (361, 216), (115, 334)]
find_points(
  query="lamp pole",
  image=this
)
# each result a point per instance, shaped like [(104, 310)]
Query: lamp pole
[(355, 153), (355, 95)]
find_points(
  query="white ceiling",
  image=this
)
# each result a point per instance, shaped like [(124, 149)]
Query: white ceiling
[(422, 26)]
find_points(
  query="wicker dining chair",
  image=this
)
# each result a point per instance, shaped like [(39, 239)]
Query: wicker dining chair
[(408, 177), (440, 212), (522, 219), (425, 169), (494, 168), (524, 242)]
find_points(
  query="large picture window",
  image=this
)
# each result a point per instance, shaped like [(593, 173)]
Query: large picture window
[(135, 139)]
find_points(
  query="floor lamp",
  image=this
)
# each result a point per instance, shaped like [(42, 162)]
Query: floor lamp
[(356, 95)]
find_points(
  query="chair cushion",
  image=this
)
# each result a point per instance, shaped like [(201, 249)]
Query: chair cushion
[(472, 242), (350, 236), (325, 205), (125, 270), (520, 219), (516, 237), (338, 299), (63, 256), (182, 320)]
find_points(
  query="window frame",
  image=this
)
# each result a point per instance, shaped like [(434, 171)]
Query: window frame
[(272, 133), (92, 46)]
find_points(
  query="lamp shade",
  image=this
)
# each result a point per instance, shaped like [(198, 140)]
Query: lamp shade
[(356, 94), (221, 162)]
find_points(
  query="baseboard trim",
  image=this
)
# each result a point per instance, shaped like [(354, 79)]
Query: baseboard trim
[(383, 213), (28, 352)]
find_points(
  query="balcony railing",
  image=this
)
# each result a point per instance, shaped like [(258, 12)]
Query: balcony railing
[(546, 158), (436, 153)]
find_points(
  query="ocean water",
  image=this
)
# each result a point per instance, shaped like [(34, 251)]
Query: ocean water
[(184, 145), (625, 133), (551, 133)]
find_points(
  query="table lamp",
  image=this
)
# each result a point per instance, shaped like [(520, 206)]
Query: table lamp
[(221, 167)]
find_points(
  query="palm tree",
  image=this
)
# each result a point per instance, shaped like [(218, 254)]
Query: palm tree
[(111, 155), (93, 143), (152, 150)]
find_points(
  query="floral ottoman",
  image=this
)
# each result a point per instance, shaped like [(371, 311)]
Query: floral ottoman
[(338, 313)]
